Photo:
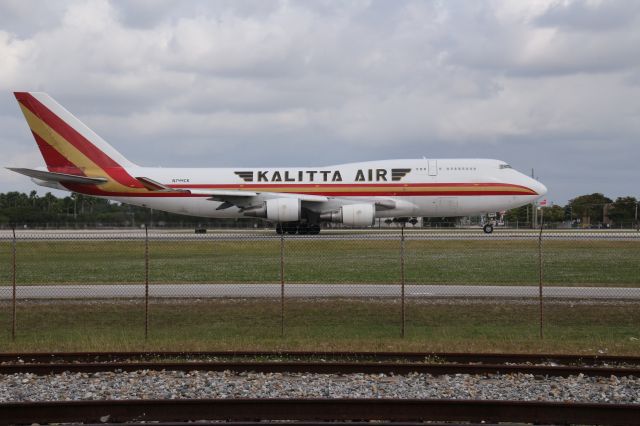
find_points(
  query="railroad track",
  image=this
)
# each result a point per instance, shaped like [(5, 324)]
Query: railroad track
[(314, 410), (323, 363), (319, 368), (390, 410), (453, 357)]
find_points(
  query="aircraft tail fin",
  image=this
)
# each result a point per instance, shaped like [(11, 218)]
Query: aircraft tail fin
[(66, 143), (69, 147)]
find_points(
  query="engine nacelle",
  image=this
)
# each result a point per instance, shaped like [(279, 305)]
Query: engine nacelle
[(277, 210), (283, 209), (353, 215)]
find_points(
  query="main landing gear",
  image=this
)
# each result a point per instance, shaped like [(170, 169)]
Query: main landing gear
[(488, 228), (297, 228)]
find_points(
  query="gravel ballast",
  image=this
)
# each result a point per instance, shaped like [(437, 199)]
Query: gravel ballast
[(202, 384)]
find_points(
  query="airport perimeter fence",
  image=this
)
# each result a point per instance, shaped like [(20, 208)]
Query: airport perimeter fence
[(243, 287)]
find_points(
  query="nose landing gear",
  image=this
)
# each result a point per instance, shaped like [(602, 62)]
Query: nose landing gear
[(488, 228)]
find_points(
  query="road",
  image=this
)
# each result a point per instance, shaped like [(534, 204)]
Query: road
[(311, 291)]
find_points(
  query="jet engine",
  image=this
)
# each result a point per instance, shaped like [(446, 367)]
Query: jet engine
[(352, 215), (277, 210)]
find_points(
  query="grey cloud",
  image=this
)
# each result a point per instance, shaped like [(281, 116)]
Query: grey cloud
[(147, 14), (591, 16), (282, 83), (547, 45), (41, 17)]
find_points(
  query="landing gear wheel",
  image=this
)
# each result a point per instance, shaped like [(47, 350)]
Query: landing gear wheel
[(290, 228), (488, 228), (314, 229), (303, 229), (279, 229)]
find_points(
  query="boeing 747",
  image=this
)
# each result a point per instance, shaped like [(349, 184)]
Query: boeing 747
[(296, 199)]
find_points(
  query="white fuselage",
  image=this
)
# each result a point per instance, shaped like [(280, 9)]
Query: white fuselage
[(428, 188)]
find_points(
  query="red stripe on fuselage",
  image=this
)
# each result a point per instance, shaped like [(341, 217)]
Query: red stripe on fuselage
[(94, 191), (329, 189), (341, 185), (393, 190)]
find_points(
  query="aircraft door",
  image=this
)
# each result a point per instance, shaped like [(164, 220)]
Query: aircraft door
[(433, 167), (427, 168)]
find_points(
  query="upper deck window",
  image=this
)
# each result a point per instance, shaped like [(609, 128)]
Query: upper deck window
[(460, 168), (505, 166)]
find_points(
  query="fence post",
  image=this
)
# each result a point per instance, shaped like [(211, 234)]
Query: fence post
[(282, 284), (402, 279), (146, 282), (540, 273), (14, 273)]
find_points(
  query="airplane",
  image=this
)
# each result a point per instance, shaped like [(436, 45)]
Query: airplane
[(296, 199)]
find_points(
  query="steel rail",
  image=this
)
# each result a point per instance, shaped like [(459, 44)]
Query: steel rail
[(298, 423), (320, 368), (567, 359), (319, 410)]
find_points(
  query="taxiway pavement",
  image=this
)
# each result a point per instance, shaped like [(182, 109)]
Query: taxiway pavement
[(101, 291), (326, 235)]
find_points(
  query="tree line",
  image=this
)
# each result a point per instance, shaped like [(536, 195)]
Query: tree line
[(592, 210), (77, 210)]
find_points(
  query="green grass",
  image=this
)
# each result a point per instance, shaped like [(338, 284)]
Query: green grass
[(323, 325), (580, 262)]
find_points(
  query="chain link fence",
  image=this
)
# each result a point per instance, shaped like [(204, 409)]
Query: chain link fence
[(252, 287)]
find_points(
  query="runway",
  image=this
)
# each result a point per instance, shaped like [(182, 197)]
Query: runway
[(311, 291), (325, 235)]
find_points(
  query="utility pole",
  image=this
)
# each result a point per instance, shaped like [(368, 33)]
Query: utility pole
[(534, 212)]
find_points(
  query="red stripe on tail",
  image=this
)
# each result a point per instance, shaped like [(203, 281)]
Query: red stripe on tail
[(55, 161)]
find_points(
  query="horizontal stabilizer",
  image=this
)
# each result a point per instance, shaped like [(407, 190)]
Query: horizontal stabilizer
[(58, 177)]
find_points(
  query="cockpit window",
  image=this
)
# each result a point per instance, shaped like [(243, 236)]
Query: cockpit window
[(505, 166)]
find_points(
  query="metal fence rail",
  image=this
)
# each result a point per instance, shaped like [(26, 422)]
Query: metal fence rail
[(274, 276)]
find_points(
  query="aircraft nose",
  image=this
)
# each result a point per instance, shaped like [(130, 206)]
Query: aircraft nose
[(539, 188)]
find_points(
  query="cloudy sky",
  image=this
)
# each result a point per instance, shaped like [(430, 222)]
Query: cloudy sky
[(549, 85)]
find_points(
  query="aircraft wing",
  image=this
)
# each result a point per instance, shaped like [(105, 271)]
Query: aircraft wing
[(246, 198), (58, 177), (220, 194), (228, 197)]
